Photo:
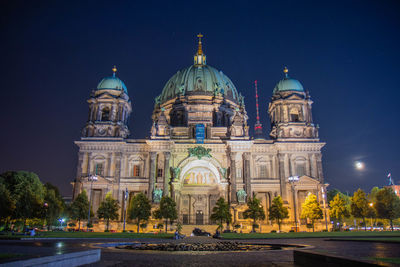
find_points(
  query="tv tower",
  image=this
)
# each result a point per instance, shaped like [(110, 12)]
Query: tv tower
[(258, 132)]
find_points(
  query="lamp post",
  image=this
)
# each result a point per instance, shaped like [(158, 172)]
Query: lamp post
[(125, 199), (292, 180), (323, 199), (91, 179), (61, 220), (371, 205)]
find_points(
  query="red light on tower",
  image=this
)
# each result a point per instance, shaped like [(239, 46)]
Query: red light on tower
[(258, 133)]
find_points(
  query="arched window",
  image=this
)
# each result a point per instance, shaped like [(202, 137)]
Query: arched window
[(294, 115), (105, 114)]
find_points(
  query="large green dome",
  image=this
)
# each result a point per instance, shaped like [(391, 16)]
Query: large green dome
[(199, 79), (288, 84)]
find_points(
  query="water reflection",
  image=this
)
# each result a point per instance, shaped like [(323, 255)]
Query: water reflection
[(59, 247)]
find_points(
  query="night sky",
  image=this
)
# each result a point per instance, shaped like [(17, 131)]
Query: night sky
[(346, 53)]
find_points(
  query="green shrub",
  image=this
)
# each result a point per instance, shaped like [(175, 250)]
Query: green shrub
[(106, 231), (273, 231), (89, 225), (237, 226), (291, 231)]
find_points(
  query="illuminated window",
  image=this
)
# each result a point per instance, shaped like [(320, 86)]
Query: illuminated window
[(99, 169), (136, 171)]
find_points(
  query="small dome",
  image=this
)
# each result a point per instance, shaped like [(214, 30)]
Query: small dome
[(288, 84), (112, 83)]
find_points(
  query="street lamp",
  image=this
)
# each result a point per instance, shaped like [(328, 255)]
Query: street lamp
[(61, 220), (91, 179), (323, 199), (292, 180), (371, 205)]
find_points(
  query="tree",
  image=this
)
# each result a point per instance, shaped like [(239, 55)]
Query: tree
[(311, 209), (359, 206), (79, 208), (139, 209), (254, 211), (221, 213), (7, 204), (338, 209), (277, 212), (331, 194), (108, 209), (27, 191), (53, 204), (387, 205), (166, 211)]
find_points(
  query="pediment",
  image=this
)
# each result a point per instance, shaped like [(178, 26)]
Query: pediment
[(307, 180)]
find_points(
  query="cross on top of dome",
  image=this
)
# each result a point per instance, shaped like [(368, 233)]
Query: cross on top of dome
[(200, 58)]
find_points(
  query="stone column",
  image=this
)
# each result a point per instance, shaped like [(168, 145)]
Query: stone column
[(78, 178), (282, 175), (246, 173), (313, 166), (233, 188), (167, 156), (152, 170), (319, 164), (117, 175)]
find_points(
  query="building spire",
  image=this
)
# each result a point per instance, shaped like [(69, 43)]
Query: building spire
[(286, 71), (114, 69), (200, 50), (258, 132), (200, 58)]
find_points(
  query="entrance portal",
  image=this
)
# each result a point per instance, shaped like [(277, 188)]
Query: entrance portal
[(199, 217)]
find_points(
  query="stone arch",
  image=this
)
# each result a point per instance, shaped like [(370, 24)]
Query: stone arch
[(193, 163)]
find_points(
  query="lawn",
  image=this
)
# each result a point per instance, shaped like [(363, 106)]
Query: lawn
[(91, 235), (310, 235)]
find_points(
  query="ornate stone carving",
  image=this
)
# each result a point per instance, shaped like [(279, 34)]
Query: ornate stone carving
[(157, 195), (175, 172), (199, 152), (241, 196), (224, 172)]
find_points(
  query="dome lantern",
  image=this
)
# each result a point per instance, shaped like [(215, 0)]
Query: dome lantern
[(200, 57)]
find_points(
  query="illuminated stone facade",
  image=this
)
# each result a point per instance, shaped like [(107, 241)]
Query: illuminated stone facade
[(196, 166)]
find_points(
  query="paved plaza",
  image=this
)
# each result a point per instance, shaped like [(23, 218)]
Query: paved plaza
[(111, 256)]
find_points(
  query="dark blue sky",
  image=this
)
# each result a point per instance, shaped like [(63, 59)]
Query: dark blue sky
[(346, 53)]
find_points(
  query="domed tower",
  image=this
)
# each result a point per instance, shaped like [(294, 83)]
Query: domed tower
[(290, 112), (109, 109), (200, 97)]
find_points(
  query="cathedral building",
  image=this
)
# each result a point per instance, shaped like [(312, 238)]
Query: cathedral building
[(199, 147)]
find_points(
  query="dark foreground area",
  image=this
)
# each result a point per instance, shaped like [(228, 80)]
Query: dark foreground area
[(110, 256)]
